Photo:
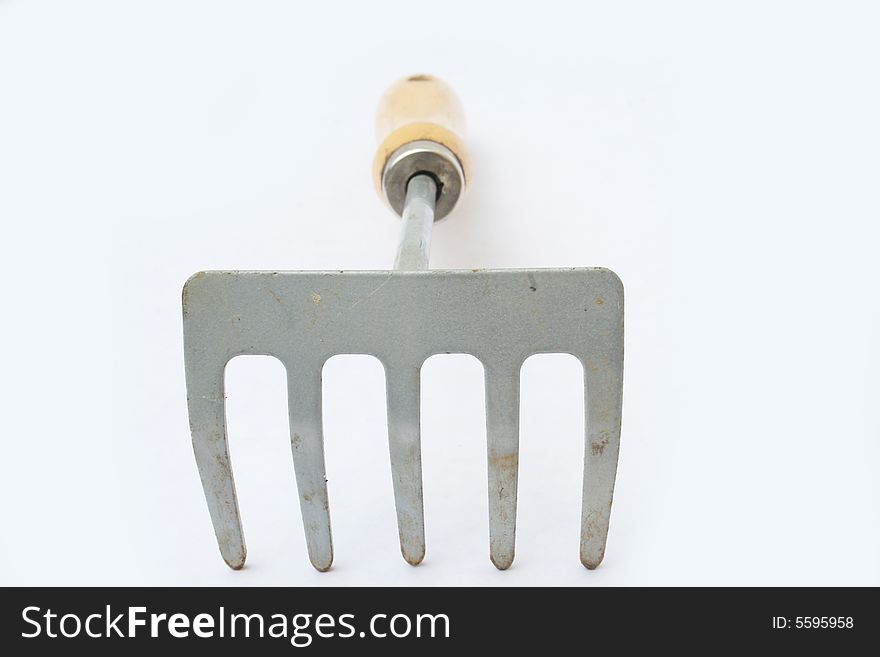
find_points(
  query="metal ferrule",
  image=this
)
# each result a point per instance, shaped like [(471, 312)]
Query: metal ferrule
[(428, 157)]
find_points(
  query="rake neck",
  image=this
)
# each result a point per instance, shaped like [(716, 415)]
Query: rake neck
[(414, 247)]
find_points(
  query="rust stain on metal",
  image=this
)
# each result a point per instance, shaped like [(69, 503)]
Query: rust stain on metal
[(417, 559), (507, 461), (222, 461), (325, 502), (228, 543), (315, 297), (502, 563), (591, 526), (594, 529), (406, 524), (600, 301), (185, 294), (597, 447)]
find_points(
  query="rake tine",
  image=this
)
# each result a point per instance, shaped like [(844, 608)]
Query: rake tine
[(307, 443), (207, 414), (603, 379), (502, 430), (404, 439)]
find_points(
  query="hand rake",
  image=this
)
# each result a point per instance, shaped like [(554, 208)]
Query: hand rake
[(402, 317)]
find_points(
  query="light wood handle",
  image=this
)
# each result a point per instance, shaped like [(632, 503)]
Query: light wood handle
[(419, 108)]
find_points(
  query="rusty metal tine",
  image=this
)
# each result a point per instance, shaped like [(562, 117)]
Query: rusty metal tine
[(502, 431), (307, 443), (207, 415), (604, 397), (404, 440)]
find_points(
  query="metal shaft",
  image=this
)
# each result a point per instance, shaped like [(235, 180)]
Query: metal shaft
[(414, 248)]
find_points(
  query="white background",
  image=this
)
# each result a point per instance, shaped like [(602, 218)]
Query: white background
[(723, 160)]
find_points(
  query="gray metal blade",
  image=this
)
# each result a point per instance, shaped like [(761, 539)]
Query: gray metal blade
[(402, 318), (603, 405), (404, 440), (207, 417), (502, 433), (307, 443)]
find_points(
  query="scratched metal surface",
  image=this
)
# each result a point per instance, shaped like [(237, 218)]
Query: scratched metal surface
[(403, 317)]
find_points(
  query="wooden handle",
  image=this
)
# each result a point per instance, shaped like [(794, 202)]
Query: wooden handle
[(416, 108)]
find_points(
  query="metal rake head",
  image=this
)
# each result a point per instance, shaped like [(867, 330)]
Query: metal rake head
[(403, 317)]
